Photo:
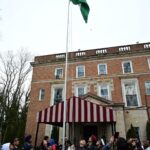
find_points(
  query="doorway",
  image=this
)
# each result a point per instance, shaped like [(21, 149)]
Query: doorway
[(88, 130)]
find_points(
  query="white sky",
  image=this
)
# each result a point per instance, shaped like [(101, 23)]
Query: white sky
[(40, 25)]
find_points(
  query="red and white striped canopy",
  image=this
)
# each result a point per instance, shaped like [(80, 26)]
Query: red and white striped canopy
[(78, 110)]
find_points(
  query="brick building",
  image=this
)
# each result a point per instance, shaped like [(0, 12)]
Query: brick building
[(118, 77)]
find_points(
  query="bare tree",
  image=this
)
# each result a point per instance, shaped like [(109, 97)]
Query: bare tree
[(14, 75)]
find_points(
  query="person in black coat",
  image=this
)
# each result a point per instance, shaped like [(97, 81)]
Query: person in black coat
[(92, 142), (44, 143), (82, 145), (27, 143)]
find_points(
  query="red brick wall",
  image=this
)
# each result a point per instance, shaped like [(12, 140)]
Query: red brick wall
[(43, 74), (34, 106)]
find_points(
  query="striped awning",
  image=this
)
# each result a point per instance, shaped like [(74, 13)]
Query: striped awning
[(78, 110)]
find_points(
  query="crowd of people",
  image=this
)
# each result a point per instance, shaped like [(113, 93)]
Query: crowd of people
[(15, 144), (93, 143), (113, 144)]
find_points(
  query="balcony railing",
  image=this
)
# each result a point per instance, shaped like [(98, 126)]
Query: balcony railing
[(93, 53), (60, 56), (124, 49), (147, 45), (101, 51), (80, 54)]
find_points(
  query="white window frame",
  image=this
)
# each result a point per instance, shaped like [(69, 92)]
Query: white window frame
[(148, 61), (130, 66), (80, 86), (56, 86), (99, 69), (146, 88), (60, 76), (109, 90), (77, 71), (134, 80), (40, 94)]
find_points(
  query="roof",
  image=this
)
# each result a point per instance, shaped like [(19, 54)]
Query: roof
[(116, 51)]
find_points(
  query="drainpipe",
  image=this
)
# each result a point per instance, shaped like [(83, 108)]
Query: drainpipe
[(36, 134), (147, 108)]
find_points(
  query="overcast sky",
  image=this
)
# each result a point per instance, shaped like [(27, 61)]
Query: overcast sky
[(40, 25)]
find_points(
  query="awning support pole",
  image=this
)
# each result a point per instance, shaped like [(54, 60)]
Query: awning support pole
[(73, 133), (112, 128), (36, 134), (113, 125)]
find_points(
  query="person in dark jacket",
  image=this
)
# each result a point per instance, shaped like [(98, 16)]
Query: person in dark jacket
[(99, 145), (109, 144), (92, 142), (82, 145), (146, 145), (134, 144), (44, 144), (27, 143), (122, 144)]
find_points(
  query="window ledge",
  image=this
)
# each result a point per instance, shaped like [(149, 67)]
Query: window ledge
[(134, 107)]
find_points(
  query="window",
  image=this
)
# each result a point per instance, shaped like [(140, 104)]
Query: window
[(58, 73), (137, 130), (131, 92), (58, 95), (41, 94), (104, 91), (80, 71), (148, 60), (131, 96), (80, 90), (102, 69), (147, 87), (127, 67)]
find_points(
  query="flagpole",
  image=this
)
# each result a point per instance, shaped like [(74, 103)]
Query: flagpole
[(66, 72)]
